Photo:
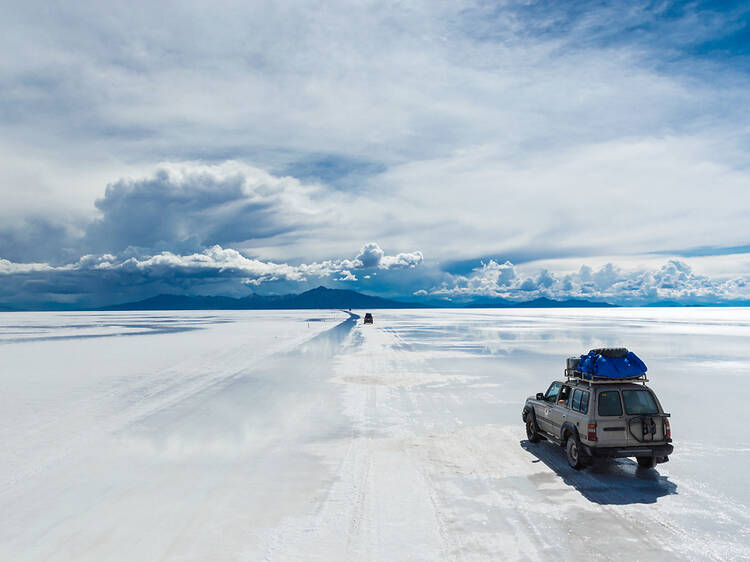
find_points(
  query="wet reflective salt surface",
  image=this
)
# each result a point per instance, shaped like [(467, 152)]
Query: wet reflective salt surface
[(290, 435), (698, 360)]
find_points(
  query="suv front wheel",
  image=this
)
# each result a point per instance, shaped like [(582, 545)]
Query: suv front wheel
[(574, 453)]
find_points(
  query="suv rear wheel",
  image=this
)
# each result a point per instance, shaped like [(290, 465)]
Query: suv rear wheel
[(646, 462), (574, 453), (531, 433)]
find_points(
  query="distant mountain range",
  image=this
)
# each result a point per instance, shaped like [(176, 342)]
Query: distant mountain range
[(541, 302), (320, 298), (324, 298)]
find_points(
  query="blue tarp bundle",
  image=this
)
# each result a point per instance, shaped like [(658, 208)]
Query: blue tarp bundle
[(597, 366)]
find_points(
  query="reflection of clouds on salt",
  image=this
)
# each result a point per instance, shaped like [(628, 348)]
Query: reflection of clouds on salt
[(42, 326), (718, 366), (697, 359)]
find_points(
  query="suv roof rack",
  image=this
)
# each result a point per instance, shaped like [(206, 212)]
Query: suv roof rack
[(574, 374)]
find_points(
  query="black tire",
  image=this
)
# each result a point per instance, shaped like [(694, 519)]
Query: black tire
[(531, 433), (574, 453), (611, 351), (646, 462)]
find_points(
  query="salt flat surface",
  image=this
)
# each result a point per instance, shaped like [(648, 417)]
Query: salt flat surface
[(262, 435)]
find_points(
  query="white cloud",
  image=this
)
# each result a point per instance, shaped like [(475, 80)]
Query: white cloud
[(370, 255), (674, 280), (402, 260), (491, 279), (619, 197), (223, 262), (476, 101), (215, 263), (11, 268), (193, 205)]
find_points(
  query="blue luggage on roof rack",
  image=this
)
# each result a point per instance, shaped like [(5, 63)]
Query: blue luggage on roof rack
[(613, 363)]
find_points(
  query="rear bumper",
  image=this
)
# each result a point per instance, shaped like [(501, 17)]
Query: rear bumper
[(636, 451)]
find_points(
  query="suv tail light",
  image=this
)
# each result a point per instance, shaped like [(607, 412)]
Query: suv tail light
[(667, 429), (592, 432)]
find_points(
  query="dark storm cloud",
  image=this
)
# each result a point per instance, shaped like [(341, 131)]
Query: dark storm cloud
[(185, 208), (36, 238)]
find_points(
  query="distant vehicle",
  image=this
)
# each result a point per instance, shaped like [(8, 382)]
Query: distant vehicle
[(602, 409), (368, 318)]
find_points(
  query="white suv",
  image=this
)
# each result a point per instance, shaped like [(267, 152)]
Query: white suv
[(600, 418)]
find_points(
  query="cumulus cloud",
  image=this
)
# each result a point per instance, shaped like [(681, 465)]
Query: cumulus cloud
[(674, 280), (371, 255), (491, 279), (189, 206), (10, 268), (402, 260), (102, 272), (216, 260)]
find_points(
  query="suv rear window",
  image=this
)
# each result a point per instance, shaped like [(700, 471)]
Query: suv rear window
[(580, 401), (609, 403), (639, 402)]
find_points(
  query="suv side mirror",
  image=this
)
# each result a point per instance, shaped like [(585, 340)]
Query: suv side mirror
[(539, 396)]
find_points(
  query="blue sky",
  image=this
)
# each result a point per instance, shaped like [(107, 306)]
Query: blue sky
[(428, 150)]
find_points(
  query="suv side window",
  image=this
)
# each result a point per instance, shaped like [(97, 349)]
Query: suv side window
[(552, 392), (580, 401), (609, 403), (576, 402)]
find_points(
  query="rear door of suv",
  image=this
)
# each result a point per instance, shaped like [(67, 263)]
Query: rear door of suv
[(611, 422), (644, 423)]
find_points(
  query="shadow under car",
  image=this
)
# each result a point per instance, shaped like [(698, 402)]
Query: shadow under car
[(606, 482)]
